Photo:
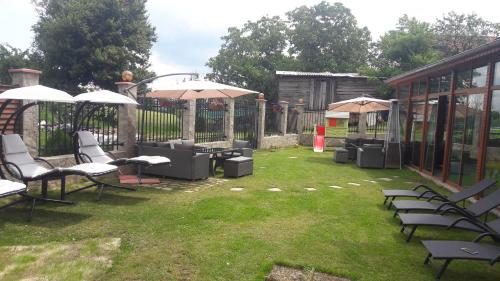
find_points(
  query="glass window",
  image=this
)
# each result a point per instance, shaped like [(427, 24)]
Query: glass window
[(465, 139), (404, 92), (421, 88), (434, 84), (464, 79), (444, 83), (432, 112), (417, 121), (403, 113), (496, 79), (492, 167), (418, 88), (479, 77)]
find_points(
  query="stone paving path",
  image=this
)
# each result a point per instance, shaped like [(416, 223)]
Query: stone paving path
[(187, 186)]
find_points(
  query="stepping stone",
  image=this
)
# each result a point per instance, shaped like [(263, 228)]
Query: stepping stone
[(353, 183), (409, 182), (274, 189), (293, 157), (310, 189), (188, 191), (395, 176), (385, 179), (336, 186), (262, 167), (370, 181), (236, 189)]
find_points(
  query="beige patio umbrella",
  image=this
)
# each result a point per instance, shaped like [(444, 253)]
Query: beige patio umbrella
[(199, 89), (360, 105)]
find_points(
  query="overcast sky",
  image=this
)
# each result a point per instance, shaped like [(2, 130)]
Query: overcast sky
[(189, 31)]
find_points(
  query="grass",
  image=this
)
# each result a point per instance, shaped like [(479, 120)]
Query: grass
[(217, 234)]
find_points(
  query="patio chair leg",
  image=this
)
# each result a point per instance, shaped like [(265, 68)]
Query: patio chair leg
[(411, 233), (390, 203), (427, 259), (63, 187), (100, 189), (45, 184), (385, 201), (442, 269), (120, 187), (395, 213), (33, 202), (402, 229)]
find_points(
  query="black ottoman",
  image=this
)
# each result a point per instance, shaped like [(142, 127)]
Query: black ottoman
[(341, 155), (238, 166)]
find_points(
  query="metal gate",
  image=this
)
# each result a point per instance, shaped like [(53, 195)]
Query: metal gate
[(245, 120)]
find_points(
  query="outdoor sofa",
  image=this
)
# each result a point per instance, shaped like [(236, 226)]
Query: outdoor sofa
[(370, 156), (186, 163)]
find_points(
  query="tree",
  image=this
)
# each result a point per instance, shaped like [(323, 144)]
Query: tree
[(11, 57), (92, 41), (326, 37), (459, 32), (250, 56)]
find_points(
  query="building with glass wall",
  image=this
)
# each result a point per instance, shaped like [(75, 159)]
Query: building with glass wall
[(450, 116)]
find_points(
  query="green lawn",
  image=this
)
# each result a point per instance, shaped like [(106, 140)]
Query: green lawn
[(217, 234)]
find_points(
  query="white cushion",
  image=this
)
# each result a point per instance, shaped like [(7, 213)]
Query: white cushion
[(11, 187), (151, 160), (13, 144), (173, 142), (92, 168), (89, 146)]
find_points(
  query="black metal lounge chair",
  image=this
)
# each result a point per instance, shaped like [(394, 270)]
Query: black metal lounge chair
[(419, 191), (461, 250), (9, 188), (89, 151), (468, 219), (419, 205), (19, 163)]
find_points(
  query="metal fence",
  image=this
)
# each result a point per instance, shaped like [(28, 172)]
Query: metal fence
[(376, 122), (245, 120), (353, 124), (56, 125), (291, 122), (209, 123), (159, 120), (273, 119), (311, 118)]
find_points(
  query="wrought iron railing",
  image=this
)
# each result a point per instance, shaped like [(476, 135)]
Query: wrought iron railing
[(159, 120), (312, 118), (245, 120), (55, 127), (353, 124), (376, 122), (273, 119), (209, 122)]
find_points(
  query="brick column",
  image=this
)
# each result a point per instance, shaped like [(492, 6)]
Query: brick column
[(261, 120), (189, 119), (300, 117), (229, 120), (127, 120), (284, 117), (24, 77)]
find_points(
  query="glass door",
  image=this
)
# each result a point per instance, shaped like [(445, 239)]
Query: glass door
[(465, 139), (417, 129), (431, 123)]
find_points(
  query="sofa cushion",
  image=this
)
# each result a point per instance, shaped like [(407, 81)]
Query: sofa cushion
[(240, 144), (174, 142), (180, 146), (188, 142), (164, 144)]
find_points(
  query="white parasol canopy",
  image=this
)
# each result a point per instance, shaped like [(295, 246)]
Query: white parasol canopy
[(360, 105), (105, 96), (37, 93), (198, 89)]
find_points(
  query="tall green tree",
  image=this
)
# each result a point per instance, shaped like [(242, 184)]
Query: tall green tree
[(250, 56), (92, 41), (460, 32), (11, 57), (326, 37)]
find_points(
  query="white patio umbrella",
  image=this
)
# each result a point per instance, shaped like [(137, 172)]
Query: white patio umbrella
[(104, 96), (37, 93), (360, 105), (198, 89)]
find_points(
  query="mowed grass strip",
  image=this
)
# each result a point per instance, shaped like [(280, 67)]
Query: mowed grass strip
[(214, 233)]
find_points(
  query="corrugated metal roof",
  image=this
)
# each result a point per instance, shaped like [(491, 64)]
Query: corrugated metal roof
[(318, 74), (461, 56)]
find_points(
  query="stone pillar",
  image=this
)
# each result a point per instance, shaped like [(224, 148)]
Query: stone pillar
[(229, 120), (24, 77), (300, 116), (261, 120), (362, 125), (189, 119), (127, 120), (284, 117)]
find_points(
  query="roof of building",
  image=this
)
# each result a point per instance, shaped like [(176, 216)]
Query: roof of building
[(480, 51), (318, 74)]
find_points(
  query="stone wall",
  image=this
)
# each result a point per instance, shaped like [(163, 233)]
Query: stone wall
[(280, 141)]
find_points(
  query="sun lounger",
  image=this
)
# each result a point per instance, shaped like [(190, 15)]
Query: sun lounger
[(419, 191), (468, 219), (461, 250), (419, 205)]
